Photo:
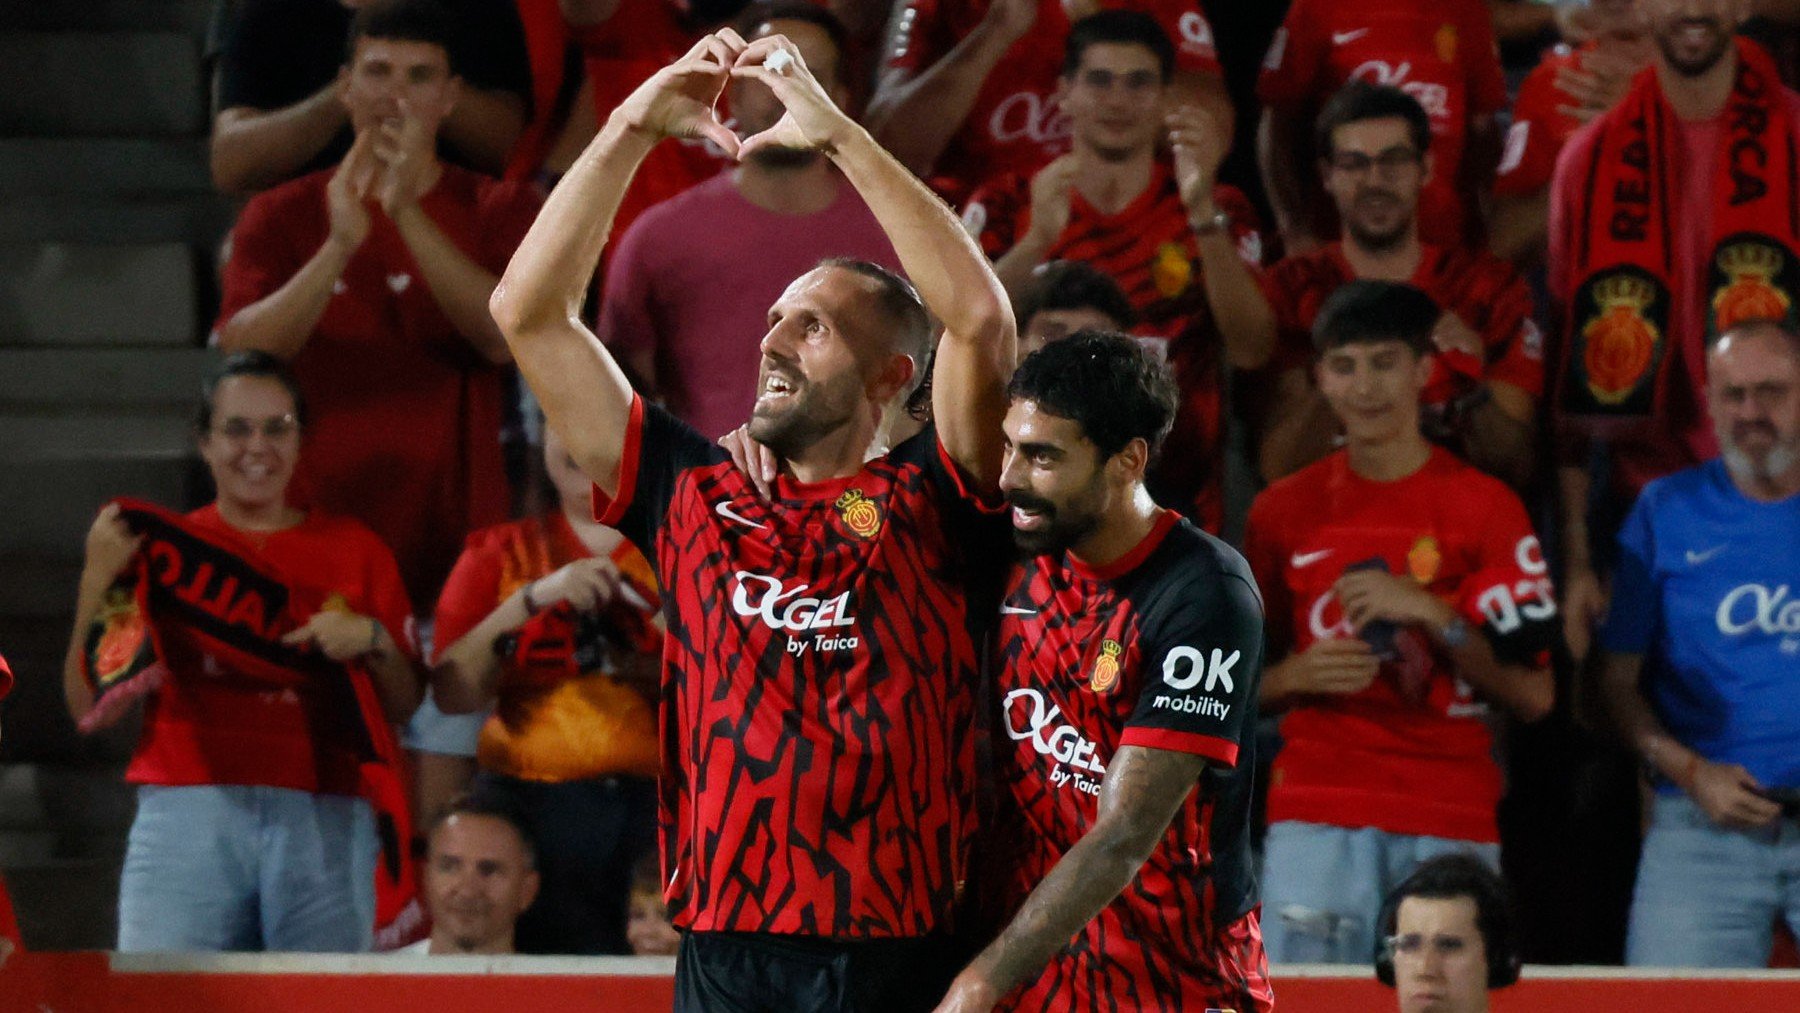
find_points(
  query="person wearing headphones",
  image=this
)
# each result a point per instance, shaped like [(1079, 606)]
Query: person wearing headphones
[(1446, 937)]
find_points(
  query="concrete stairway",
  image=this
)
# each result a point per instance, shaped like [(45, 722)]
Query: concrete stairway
[(107, 230)]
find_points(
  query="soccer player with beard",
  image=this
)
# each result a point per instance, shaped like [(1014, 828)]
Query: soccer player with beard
[(1487, 355), (820, 667), (1701, 639), (1130, 651)]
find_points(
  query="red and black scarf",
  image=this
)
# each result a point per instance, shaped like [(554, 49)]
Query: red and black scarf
[(196, 594), (1618, 359)]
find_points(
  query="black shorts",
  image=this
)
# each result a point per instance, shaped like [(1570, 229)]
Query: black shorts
[(749, 972)]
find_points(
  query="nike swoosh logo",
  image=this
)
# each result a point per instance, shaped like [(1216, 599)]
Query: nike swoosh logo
[(724, 510), (1696, 558), (1014, 610), (1302, 560), (1345, 38)]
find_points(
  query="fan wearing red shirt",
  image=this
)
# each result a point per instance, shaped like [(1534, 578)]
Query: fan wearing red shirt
[(571, 742), (1441, 52), (250, 833), (1406, 592), (971, 86), (1172, 237), (372, 280), (1487, 368), (820, 667), (1130, 650), (1570, 87)]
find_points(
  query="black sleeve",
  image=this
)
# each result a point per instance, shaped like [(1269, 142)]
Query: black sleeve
[(658, 448), (1202, 657)]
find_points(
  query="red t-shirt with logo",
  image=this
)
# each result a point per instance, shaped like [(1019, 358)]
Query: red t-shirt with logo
[(1412, 753), (1487, 293), (404, 428), (820, 679), (1539, 126), (203, 727), (1015, 124), (1441, 52), (1149, 248)]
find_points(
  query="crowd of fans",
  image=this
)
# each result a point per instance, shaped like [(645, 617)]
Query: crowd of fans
[(1593, 287)]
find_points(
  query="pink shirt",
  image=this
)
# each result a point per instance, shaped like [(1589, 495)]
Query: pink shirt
[(1682, 435), (693, 279)]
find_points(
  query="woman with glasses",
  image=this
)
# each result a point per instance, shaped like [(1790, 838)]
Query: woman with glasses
[(250, 833)]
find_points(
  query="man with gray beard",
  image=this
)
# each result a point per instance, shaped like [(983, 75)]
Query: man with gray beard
[(1703, 640)]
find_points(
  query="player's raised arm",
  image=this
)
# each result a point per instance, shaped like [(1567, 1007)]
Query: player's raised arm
[(975, 355), (537, 304)]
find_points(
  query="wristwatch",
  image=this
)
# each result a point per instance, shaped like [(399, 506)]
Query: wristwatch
[(1456, 633), (1219, 221)]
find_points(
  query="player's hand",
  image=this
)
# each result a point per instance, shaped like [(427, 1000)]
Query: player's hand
[(1453, 335), (1371, 595), (679, 100), (969, 993), (1595, 86), (1583, 603), (586, 584), (1052, 193), (812, 119), (339, 634), (1011, 19), (1336, 665), (753, 459), (1730, 796), (405, 149), (110, 546), (1199, 145), (349, 189)]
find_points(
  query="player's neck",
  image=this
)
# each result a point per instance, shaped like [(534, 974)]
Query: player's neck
[(1393, 263), (805, 189), (1110, 185), (1124, 528), (1699, 98), (1388, 459), (837, 454)]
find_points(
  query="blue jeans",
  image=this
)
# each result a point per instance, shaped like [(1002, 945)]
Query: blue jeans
[(1322, 886), (1707, 896), (236, 867)]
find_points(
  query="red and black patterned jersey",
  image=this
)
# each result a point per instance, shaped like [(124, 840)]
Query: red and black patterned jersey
[(819, 682), (1161, 650), (1487, 293), (1149, 248)]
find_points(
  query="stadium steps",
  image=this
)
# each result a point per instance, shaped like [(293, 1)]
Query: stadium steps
[(108, 233)]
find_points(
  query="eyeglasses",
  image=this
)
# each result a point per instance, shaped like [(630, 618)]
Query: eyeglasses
[(240, 430), (1393, 160), (1412, 945)]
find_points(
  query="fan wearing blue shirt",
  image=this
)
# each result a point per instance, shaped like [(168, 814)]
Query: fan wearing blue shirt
[(1703, 670)]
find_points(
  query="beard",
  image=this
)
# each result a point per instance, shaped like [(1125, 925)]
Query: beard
[(1697, 65), (1375, 239), (785, 158), (1778, 460), (1063, 527), (811, 413)]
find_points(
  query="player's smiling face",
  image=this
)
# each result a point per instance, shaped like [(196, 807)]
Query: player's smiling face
[(811, 381), (253, 442), (1054, 479), (1114, 99), (1694, 35), (1373, 387)]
